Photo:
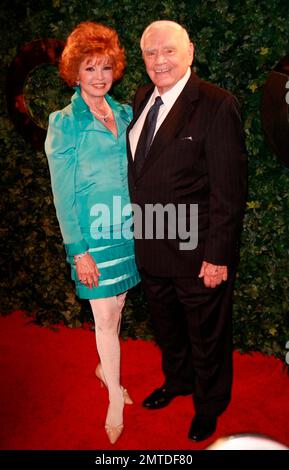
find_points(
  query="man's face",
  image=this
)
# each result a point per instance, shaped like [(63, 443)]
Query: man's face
[(167, 56)]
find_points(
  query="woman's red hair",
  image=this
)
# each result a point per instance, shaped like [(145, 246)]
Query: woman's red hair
[(86, 40)]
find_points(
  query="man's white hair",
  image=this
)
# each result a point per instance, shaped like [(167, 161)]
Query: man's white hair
[(164, 24)]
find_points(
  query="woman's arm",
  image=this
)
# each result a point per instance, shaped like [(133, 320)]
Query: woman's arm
[(60, 148)]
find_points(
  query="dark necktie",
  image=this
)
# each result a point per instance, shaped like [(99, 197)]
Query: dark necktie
[(146, 135)]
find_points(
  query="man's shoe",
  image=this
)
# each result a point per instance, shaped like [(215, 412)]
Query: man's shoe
[(202, 427), (160, 398)]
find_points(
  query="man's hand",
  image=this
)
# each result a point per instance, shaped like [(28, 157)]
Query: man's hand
[(87, 271), (213, 274)]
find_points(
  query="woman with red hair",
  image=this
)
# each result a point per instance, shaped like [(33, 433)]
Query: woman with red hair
[(86, 150)]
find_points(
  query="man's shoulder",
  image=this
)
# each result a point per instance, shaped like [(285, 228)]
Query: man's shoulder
[(214, 93), (143, 93), (144, 90)]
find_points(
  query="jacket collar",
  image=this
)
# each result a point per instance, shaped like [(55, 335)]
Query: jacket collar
[(174, 122), (190, 93), (83, 114)]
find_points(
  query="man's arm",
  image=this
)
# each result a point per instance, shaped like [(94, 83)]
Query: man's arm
[(227, 170), (226, 156)]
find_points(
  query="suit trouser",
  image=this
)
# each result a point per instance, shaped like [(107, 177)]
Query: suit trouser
[(193, 327)]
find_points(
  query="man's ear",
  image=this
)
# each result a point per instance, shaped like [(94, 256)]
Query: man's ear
[(191, 52)]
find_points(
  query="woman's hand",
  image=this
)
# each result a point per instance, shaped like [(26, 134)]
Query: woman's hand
[(87, 271)]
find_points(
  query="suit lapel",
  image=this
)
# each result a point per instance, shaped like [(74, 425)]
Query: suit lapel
[(142, 100), (175, 121), (140, 103)]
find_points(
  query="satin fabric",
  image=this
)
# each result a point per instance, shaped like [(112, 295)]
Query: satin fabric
[(88, 169)]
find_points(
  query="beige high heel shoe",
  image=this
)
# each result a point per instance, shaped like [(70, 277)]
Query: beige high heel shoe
[(100, 376), (113, 432)]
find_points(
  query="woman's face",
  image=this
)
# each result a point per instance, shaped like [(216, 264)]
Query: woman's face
[(95, 77)]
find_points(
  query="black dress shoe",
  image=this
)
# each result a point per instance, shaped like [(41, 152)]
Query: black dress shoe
[(202, 427), (160, 398)]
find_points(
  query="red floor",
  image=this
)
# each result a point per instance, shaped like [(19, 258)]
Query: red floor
[(50, 398)]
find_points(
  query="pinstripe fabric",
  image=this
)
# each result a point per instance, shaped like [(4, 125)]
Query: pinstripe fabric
[(197, 157)]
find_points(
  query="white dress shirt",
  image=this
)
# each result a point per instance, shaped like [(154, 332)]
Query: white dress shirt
[(169, 98)]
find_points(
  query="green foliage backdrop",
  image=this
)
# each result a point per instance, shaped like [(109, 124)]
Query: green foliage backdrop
[(237, 44)]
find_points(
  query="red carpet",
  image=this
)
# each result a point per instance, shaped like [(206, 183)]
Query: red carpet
[(50, 399)]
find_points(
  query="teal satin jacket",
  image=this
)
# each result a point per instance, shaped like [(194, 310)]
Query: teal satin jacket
[(88, 167)]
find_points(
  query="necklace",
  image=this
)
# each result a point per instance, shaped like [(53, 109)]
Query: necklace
[(105, 117)]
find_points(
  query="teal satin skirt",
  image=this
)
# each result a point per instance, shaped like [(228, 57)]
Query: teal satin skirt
[(115, 259)]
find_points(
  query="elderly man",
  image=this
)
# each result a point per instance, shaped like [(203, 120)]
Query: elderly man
[(186, 149)]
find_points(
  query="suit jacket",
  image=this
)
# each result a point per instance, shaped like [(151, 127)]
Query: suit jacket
[(197, 157)]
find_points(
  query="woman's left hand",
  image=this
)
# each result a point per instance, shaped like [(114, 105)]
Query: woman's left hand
[(87, 271)]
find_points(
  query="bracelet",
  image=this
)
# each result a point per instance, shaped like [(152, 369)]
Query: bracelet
[(78, 257)]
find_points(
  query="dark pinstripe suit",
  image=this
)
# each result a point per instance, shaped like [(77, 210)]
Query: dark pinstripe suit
[(197, 157)]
